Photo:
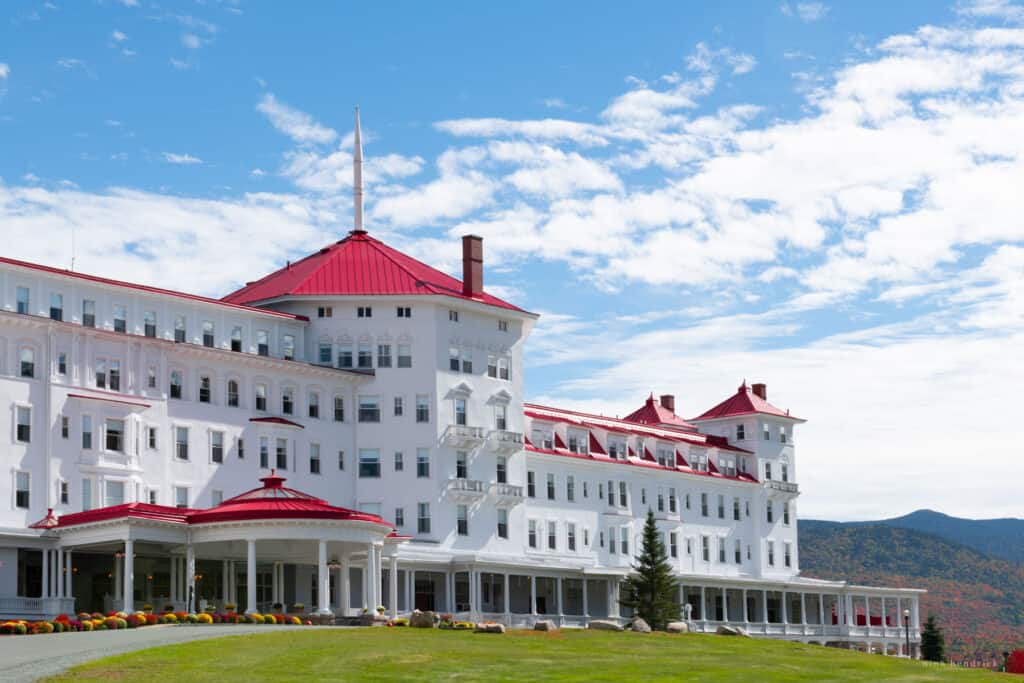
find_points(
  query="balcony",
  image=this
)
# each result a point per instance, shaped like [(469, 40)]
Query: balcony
[(504, 441), (465, 489), (785, 487), (506, 494), (463, 437)]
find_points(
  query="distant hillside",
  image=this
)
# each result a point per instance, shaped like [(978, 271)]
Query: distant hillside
[(978, 599), (996, 537)]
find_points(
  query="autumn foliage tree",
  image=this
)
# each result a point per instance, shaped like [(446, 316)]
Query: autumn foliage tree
[(1015, 663)]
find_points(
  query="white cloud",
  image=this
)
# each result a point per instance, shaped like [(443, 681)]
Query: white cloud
[(257, 173), (5, 70), (806, 11), (555, 103), (296, 124), (119, 36), (179, 64), (191, 41), (173, 158)]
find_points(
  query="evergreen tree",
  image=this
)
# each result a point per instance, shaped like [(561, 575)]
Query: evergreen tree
[(651, 590), (933, 642)]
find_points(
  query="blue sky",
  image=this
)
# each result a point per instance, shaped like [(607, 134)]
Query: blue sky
[(820, 195)]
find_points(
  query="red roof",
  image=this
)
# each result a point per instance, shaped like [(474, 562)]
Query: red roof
[(653, 413), (744, 402), (357, 265), (160, 513), (276, 421), (146, 288)]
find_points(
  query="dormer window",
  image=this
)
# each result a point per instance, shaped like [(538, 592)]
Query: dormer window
[(740, 433), (543, 439), (579, 442)]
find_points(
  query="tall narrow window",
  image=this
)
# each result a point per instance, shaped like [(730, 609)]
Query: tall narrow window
[(62, 363), (345, 356), (462, 520), (551, 486), (771, 553), (115, 435), (453, 359), (281, 450), (399, 406), (502, 523), (57, 307), (552, 536), (325, 352), (404, 356), (313, 405), (287, 401), (570, 537), (88, 313), (180, 329), (383, 355), (422, 462), (23, 428), (22, 297), (467, 361), (261, 397), (492, 366), (181, 496), (399, 461), (365, 355), (120, 318), (339, 409), (501, 417), (175, 384), (101, 373), (22, 490), (28, 363), (422, 408), (208, 333), (423, 518), (263, 342), (314, 458), (232, 393), (236, 339), (149, 323), (400, 517), (461, 465), (531, 484), (570, 488), (531, 536), (217, 447), (787, 557), (623, 495), (86, 494), (502, 470), (181, 443), (503, 364), (264, 452), (86, 432), (460, 411), (288, 347), (205, 384)]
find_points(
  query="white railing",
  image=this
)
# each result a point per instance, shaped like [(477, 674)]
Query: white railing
[(783, 486), (468, 485), (504, 440), (462, 436), (35, 608), (507, 492)]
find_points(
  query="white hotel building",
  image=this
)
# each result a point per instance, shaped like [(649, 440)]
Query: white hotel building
[(390, 396)]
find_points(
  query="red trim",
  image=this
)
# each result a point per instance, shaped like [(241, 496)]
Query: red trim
[(634, 462), (744, 402), (147, 288), (110, 400), (595, 446), (277, 421)]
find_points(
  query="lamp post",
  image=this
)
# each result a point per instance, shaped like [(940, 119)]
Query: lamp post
[(906, 625)]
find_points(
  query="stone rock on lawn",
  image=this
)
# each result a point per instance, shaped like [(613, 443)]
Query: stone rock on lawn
[(732, 631), (422, 620), (490, 628), (678, 627), (640, 626), (604, 625), (544, 625)]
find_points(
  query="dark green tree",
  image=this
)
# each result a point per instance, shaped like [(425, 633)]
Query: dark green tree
[(651, 590), (933, 642)]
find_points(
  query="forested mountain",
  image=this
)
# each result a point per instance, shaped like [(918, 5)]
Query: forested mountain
[(996, 537)]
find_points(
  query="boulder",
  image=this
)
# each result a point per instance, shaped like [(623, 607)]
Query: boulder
[(724, 630), (544, 625), (490, 628), (604, 625), (677, 627), (422, 620), (640, 626)]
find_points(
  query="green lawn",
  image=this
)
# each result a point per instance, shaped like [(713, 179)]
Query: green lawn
[(403, 654)]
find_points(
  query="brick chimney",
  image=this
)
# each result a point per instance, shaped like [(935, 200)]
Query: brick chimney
[(472, 265), (760, 389), (668, 402)]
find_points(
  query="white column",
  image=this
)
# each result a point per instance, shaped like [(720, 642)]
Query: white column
[(586, 602), (848, 609), (225, 582), (323, 579), (250, 576), (234, 583), (378, 574), (346, 588), (70, 575), (59, 585), (371, 578), (915, 614), (725, 604), (393, 581), (703, 605), (533, 595), (410, 594), (190, 578), (558, 589), (174, 579), (746, 610), (45, 591), (867, 611), (275, 582), (821, 610), (764, 606), (785, 609), (508, 599), (128, 599), (803, 608)]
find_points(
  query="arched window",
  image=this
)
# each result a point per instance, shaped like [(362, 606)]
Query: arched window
[(175, 384), (232, 393), (28, 362)]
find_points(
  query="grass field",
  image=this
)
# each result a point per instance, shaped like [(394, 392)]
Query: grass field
[(430, 655)]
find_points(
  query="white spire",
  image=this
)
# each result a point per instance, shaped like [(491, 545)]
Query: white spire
[(357, 176)]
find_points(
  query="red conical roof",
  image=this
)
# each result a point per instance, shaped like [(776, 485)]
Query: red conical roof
[(357, 265), (653, 413), (744, 402)]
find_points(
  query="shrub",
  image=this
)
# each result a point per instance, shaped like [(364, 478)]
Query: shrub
[(170, 618), (120, 615), (1015, 662), (152, 619), (58, 626), (204, 618), (82, 616), (255, 618), (296, 621), (131, 621), (192, 619), (400, 621), (87, 625)]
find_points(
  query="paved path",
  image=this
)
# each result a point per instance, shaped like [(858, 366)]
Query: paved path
[(28, 658)]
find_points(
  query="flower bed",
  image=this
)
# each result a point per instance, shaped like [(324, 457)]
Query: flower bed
[(115, 621)]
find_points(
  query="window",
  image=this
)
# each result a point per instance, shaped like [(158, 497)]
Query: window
[(149, 324), (181, 443), (115, 375), (501, 474), (264, 452), (422, 408), (152, 496), (87, 432), (643, 496), (502, 326), (216, 497), (551, 486), (120, 318), (399, 517), (785, 514), (570, 488), (62, 363), (232, 393), (738, 553), (770, 512), (721, 506), (736, 509), (672, 500), (611, 493), (365, 355), (175, 384), (151, 438), (114, 493), (65, 426), (313, 405), (404, 312), (262, 343), (241, 448), (88, 313), (179, 329), (787, 554), (703, 505), (570, 537), (531, 534), (767, 433), (782, 434), (181, 496), (62, 492), (314, 458), (345, 356), (288, 347), (740, 433), (462, 520), (287, 401), (399, 461), (151, 377), (422, 462), (208, 333), (623, 500), (22, 489), (28, 363), (585, 493), (502, 523), (501, 417), (624, 540), (217, 447), (324, 312), (261, 397), (339, 409), (771, 553), (369, 409), (492, 366), (236, 339), (325, 353), (467, 361), (115, 435), (204, 389), (341, 460), (423, 518), (531, 484), (460, 411), (586, 538), (369, 463), (661, 500), (281, 451), (23, 430), (86, 494), (461, 465), (673, 544), (611, 541), (552, 536), (399, 407), (108, 374), (767, 471), (404, 356), (453, 359), (22, 300), (453, 316), (383, 355), (721, 550), (57, 307), (785, 472), (705, 548), (364, 312), (503, 364)]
